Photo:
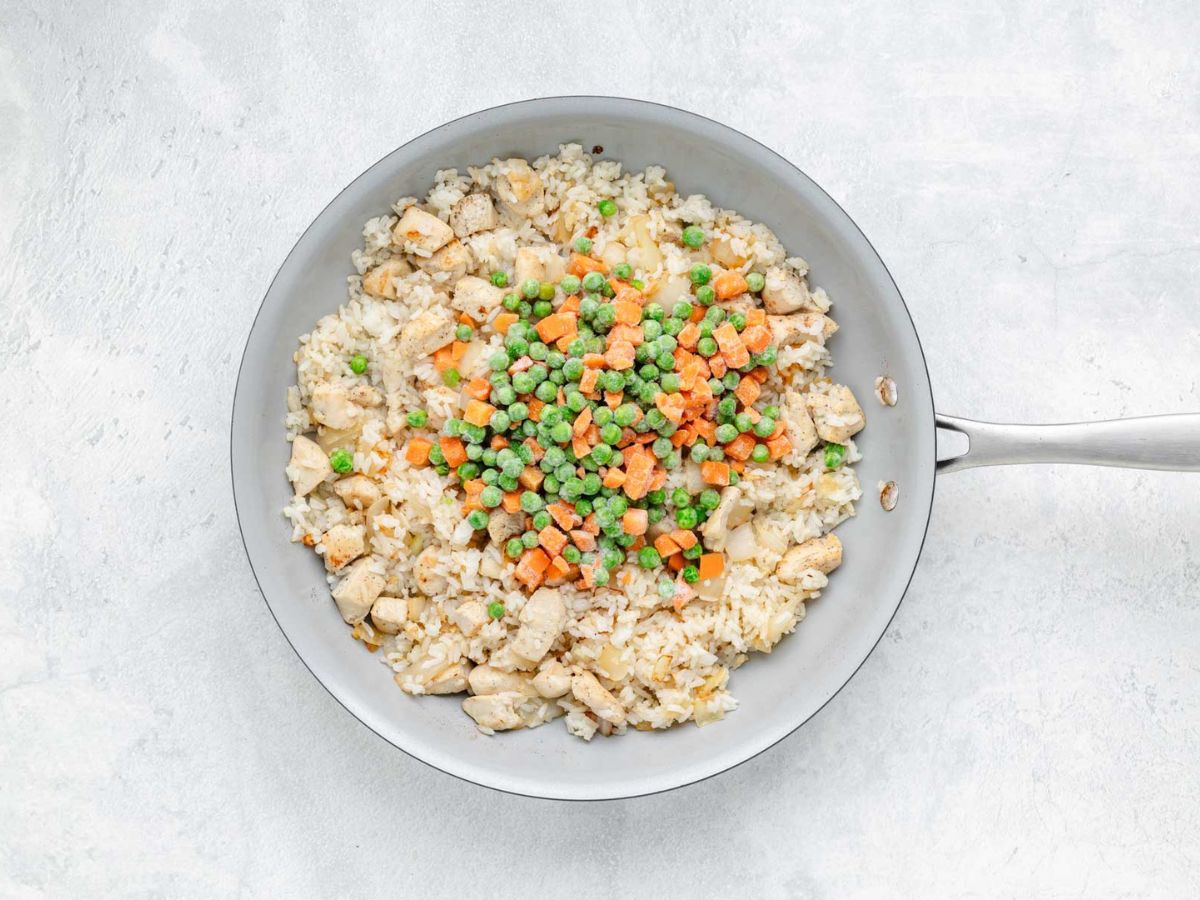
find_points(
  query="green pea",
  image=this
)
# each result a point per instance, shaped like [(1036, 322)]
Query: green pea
[(618, 505), (341, 461), (653, 312), (760, 453), (690, 574), (498, 362), (742, 421), (541, 520), (700, 274), (511, 302), (607, 208), (583, 245), (624, 415), (734, 477), (600, 577), (662, 447), (716, 454), (468, 470), (650, 330), (529, 539), (605, 317), (709, 499), (602, 416), (693, 236), (672, 327), (637, 283), (571, 554), (622, 271), (499, 421), (764, 427), (572, 369), (417, 418), (687, 517), (512, 549), (477, 518), (665, 361), (436, 456), (648, 558), (768, 356), (706, 346), (583, 507), (698, 452), (715, 314), (593, 281), (670, 383), (726, 406), (518, 412), (358, 364), (561, 432), (738, 321), (500, 279), (451, 377), (726, 433), (706, 328), (530, 288), (545, 294), (546, 391), (525, 310), (835, 455), (610, 433), (575, 402), (755, 281), (706, 295)]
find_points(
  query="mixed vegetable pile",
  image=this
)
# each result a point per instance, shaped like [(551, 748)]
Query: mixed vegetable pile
[(563, 451)]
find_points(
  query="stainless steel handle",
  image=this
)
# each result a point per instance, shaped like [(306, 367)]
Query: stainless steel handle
[(1151, 442)]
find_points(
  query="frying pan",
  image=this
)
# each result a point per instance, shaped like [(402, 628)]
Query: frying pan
[(777, 693)]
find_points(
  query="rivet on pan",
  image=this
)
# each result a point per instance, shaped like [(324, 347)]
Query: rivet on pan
[(885, 390), (889, 494)]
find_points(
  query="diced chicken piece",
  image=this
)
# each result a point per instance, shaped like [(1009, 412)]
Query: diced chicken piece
[(424, 333), (378, 281), (836, 413), (823, 554), (451, 680), (552, 681), (495, 712), (308, 466), (520, 190), (331, 405), (356, 593), (504, 525), (450, 263), (389, 614), (469, 617), (366, 396), (542, 620), (591, 693), (476, 297), (487, 680), (733, 510), (342, 544), (426, 575), (801, 432), (797, 328), (357, 491), (421, 232), (473, 213), (528, 265), (785, 292)]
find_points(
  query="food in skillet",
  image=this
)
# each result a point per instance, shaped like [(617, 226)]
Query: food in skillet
[(569, 447)]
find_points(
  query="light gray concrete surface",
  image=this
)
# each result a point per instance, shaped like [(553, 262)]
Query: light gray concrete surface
[(1029, 726)]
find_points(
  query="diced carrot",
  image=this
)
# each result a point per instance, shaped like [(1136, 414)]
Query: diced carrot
[(579, 265), (554, 326), (593, 435), (552, 539), (474, 486), (676, 562), (729, 284), (563, 514), (612, 399), (631, 333), (740, 447), (464, 319), (638, 543), (580, 446), (690, 373), (590, 525), (714, 472), (717, 366), (478, 413), (443, 358), (478, 388), (614, 478), (535, 408), (684, 538), (587, 381), (471, 503), (584, 541), (571, 304), (756, 338), (759, 374), (756, 316), (711, 565), (531, 478), (531, 567), (457, 350), (504, 321), (593, 360), (620, 355), (681, 437), (671, 406), (627, 312), (417, 451), (727, 337), (658, 479), (626, 293), (635, 521), (779, 446), (637, 475), (738, 466), (498, 442), (453, 450), (698, 313), (564, 342), (747, 391), (665, 546), (582, 421), (525, 362), (689, 336), (558, 568), (511, 501), (780, 428), (707, 429)]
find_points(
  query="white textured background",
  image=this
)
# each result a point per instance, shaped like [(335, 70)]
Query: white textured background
[(1030, 725)]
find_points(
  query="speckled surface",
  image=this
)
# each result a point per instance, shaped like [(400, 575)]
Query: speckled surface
[(1030, 725)]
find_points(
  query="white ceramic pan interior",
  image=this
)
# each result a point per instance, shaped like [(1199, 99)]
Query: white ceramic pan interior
[(777, 692)]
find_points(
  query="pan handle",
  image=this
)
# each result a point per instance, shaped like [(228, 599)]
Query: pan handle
[(1151, 442)]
